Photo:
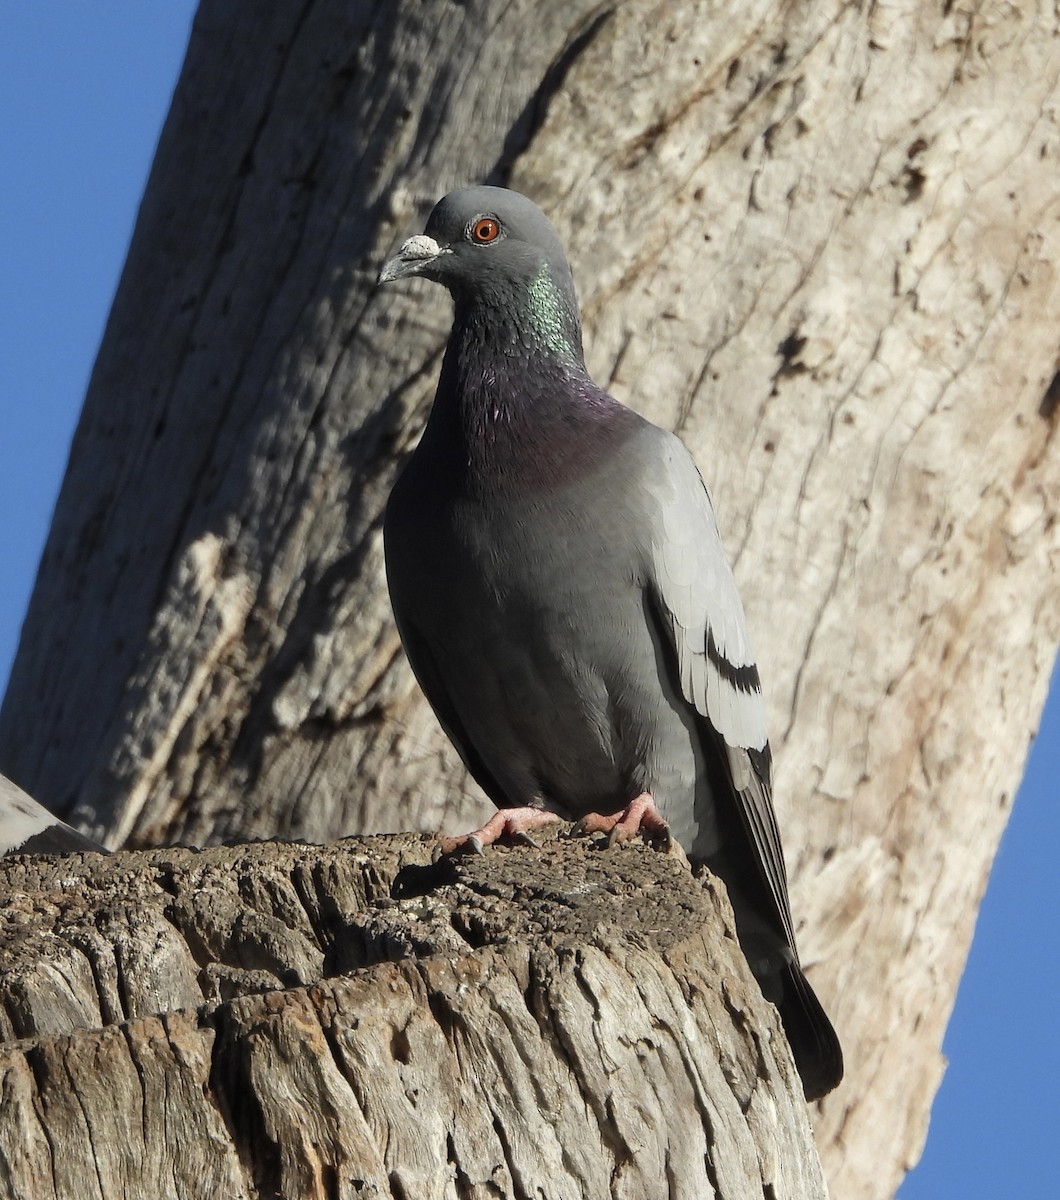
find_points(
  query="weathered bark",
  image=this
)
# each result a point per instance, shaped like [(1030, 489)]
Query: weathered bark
[(820, 240), (268, 1021)]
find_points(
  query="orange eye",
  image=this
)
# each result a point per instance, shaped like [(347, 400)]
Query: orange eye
[(485, 230)]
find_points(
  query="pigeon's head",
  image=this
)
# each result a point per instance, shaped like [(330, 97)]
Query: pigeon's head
[(496, 250)]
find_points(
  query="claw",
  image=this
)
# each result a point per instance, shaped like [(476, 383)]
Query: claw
[(639, 816), (509, 823), (617, 836)]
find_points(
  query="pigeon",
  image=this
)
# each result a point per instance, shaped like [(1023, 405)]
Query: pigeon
[(26, 827), (561, 591)]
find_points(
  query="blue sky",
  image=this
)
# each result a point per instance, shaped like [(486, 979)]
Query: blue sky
[(83, 93)]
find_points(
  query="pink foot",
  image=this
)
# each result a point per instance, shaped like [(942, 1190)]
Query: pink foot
[(639, 816), (514, 823)]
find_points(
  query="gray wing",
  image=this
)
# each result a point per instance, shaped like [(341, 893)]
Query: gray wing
[(695, 584), (695, 594), (26, 827)]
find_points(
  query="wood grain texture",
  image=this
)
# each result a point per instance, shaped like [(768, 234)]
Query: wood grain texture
[(353, 1021), (819, 240)]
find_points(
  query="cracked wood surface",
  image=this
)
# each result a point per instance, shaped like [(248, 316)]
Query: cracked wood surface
[(351, 1021), (820, 240)]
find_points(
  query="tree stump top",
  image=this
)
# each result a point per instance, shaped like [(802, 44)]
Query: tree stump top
[(353, 1019)]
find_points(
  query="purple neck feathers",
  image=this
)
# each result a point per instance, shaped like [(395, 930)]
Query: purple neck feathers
[(511, 415)]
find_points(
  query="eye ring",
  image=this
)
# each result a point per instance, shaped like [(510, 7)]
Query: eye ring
[(484, 230)]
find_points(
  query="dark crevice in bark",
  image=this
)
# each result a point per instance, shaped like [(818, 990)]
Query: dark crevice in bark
[(535, 111)]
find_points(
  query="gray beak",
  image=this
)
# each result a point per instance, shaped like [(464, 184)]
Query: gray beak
[(412, 259)]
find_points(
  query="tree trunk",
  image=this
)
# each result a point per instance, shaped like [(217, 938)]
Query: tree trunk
[(819, 240), (267, 1021)]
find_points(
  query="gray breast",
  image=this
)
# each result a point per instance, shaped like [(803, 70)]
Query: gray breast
[(540, 628)]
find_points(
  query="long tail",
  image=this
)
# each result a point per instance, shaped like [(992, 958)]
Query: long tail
[(814, 1044)]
